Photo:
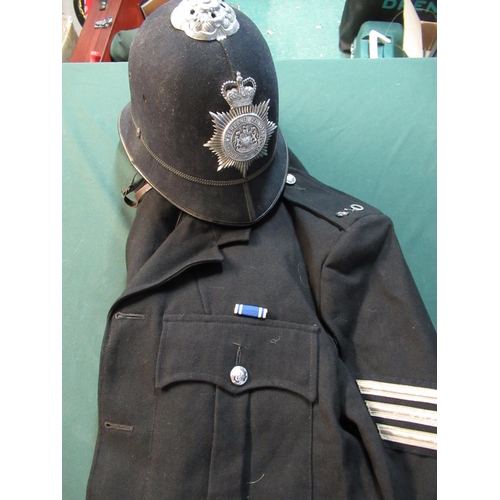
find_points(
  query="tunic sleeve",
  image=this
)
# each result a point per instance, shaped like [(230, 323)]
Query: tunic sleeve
[(371, 305)]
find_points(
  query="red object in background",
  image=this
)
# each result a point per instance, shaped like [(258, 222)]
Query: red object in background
[(126, 15), (86, 6), (95, 56)]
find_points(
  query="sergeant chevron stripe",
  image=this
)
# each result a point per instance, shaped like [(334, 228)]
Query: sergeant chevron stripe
[(408, 436), (404, 415), (398, 391)]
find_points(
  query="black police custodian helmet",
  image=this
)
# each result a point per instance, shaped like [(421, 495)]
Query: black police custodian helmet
[(201, 126)]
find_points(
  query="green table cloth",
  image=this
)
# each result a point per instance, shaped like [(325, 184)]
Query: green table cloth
[(366, 127)]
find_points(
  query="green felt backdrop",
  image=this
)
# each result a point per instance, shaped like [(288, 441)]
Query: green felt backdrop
[(367, 127)]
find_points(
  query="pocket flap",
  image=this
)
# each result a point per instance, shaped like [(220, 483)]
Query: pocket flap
[(205, 349)]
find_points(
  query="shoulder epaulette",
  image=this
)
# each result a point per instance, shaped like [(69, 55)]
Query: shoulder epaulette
[(326, 202)]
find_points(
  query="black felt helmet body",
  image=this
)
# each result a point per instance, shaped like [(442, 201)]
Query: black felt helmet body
[(202, 123)]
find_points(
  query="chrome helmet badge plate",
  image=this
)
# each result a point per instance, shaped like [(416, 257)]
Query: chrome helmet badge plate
[(241, 135)]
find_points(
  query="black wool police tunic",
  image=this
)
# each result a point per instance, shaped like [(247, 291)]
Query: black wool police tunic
[(334, 394)]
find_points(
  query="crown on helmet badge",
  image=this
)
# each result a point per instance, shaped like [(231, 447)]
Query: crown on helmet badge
[(241, 135)]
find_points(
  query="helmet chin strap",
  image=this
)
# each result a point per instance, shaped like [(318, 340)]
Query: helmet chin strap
[(139, 188)]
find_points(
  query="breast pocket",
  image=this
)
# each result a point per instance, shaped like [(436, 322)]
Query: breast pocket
[(242, 390)]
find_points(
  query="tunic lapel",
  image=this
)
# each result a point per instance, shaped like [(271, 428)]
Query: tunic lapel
[(191, 243)]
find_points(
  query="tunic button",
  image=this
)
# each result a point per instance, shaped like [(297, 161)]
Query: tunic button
[(290, 179), (239, 375)]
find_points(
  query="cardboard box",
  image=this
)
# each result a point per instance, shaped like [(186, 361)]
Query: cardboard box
[(429, 38), (419, 37), (149, 6), (69, 38)]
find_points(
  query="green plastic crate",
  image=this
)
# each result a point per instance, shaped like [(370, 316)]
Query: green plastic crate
[(393, 31)]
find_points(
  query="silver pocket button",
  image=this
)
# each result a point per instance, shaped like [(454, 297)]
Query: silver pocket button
[(239, 375)]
